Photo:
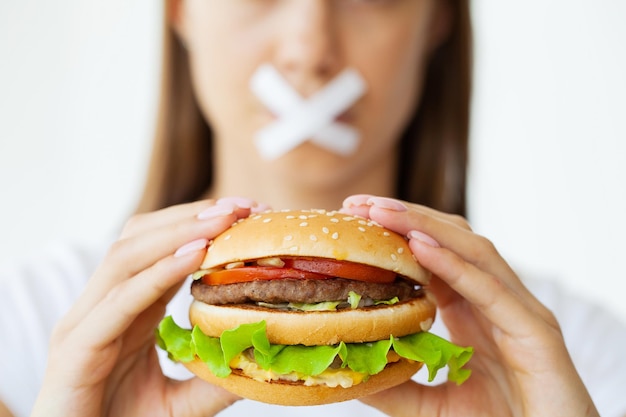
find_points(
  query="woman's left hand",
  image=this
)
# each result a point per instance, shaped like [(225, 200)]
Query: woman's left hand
[(520, 366)]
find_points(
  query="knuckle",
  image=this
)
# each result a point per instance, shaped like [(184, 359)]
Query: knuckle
[(60, 331), (486, 245), (116, 251), (550, 318), (482, 249), (132, 223), (460, 221)]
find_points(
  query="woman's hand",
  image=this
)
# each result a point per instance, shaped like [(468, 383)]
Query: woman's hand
[(102, 359), (521, 366)]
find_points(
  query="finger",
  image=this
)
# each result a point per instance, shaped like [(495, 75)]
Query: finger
[(501, 306), (184, 398), (130, 256), (143, 222), (361, 203), (408, 399), (114, 313), (449, 231)]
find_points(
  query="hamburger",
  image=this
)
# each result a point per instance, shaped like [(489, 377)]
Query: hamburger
[(310, 307)]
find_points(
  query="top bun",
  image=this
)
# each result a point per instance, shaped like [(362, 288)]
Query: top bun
[(315, 233)]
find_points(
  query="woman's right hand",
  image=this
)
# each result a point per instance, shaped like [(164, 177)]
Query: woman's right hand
[(102, 359)]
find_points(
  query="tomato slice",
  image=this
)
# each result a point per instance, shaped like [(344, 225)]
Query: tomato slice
[(258, 273), (342, 269), (302, 268)]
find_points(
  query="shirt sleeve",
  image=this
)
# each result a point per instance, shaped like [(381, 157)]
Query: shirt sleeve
[(596, 341), (34, 294)]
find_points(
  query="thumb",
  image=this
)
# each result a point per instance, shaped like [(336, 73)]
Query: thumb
[(198, 398), (406, 399)]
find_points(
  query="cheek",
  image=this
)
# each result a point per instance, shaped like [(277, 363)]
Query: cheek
[(222, 60), (395, 77)]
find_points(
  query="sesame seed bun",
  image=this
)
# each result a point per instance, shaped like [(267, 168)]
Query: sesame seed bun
[(315, 233)]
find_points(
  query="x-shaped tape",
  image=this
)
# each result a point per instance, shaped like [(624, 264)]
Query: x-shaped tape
[(300, 119)]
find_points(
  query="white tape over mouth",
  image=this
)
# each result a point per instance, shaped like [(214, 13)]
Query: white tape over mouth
[(300, 119)]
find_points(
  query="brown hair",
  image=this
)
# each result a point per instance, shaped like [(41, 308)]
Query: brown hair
[(433, 151)]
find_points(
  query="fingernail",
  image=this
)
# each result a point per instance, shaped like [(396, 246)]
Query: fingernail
[(387, 203), (423, 237), (241, 202), (191, 247), (356, 200), (222, 209)]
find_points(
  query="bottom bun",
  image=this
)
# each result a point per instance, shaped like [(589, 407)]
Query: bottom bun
[(296, 394)]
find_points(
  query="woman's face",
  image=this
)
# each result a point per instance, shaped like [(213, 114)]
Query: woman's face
[(309, 42)]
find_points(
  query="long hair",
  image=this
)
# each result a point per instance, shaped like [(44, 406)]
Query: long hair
[(432, 166)]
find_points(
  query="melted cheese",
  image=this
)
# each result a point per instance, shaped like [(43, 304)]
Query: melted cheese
[(331, 377), (343, 377)]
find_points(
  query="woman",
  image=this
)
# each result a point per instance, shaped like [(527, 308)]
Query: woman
[(413, 124)]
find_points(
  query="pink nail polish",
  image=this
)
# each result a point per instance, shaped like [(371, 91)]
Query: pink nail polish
[(241, 202), (193, 246), (387, 203), (423, 237), (223, 209), (356, 200)]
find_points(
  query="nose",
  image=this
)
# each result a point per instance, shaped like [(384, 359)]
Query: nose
[(307, 46)]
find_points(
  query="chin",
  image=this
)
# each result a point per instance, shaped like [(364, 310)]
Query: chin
[(310, 167)]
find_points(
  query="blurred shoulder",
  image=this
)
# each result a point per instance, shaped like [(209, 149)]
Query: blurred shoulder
[(35, 291), (595, 338)]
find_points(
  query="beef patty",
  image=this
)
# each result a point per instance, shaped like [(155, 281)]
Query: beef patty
[(300, 291)]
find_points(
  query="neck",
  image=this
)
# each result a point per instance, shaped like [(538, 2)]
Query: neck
[(275, 184)]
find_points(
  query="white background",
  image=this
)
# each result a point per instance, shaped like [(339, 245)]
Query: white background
[(77, 99)]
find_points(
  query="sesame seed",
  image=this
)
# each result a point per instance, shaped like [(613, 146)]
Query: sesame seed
[(293, 248), (291, 217), (394, 257), (386, 234), (400, 250), (362, 222), (348, 218), (227, 237), (325, 230), (304, 224), (288, 238), (362, 229), (313, 238), (426, 324), (334, 220), (267, 220), (302, 217), (335, 236), (257, 217)]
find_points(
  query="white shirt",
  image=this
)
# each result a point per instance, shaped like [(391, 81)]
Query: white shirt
[(36, 292)]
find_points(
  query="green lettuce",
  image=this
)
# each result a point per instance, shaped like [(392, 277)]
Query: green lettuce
[(184, 345)]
